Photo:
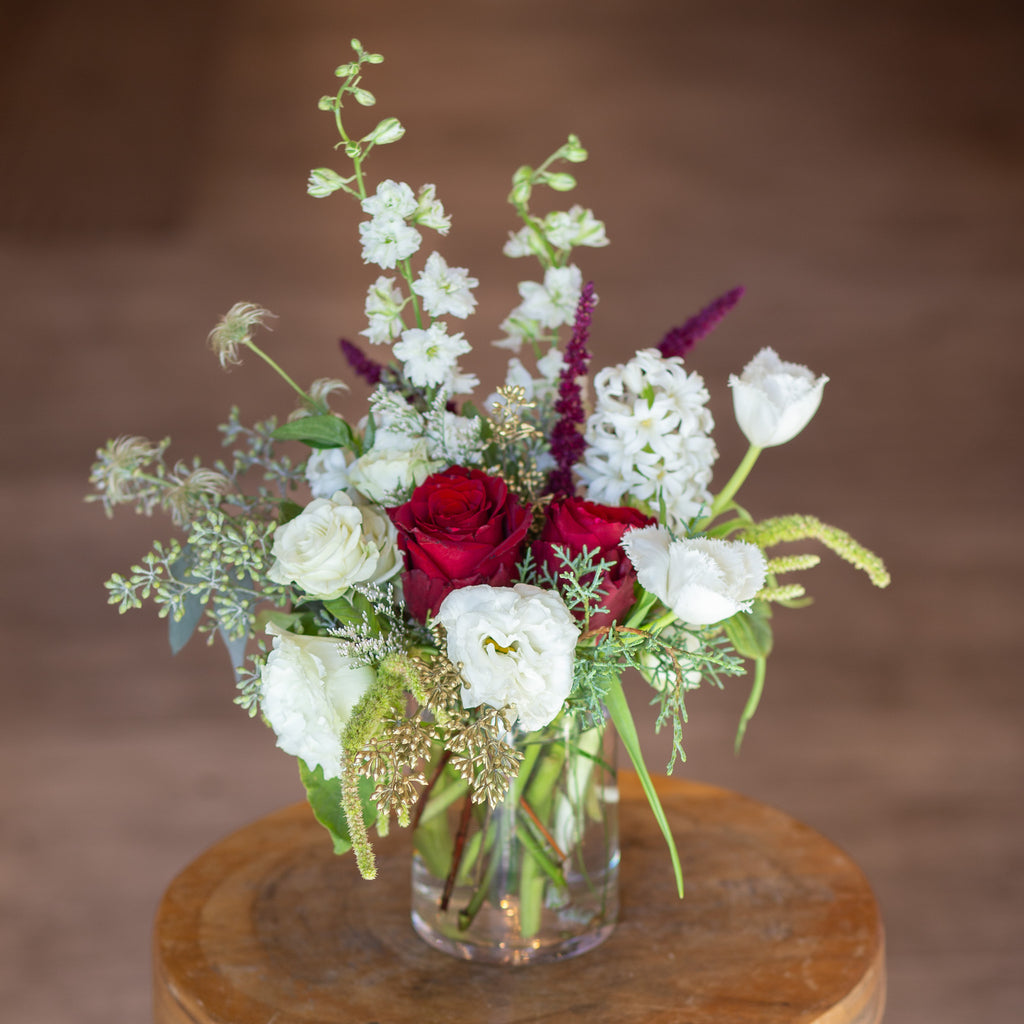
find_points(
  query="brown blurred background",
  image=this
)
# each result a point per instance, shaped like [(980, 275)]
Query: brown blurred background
[(858, 167)]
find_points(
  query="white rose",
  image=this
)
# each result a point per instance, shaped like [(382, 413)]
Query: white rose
[(774, 400), (516, 647), (327, 471), (333, 544), (702, 580), (388, 472), (308, 693)]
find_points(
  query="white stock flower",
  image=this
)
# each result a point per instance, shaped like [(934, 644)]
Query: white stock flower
[(446, 291), (429, 211), (389, 471), (550, 365), (774, 400), (307, 694), (387, 240), (703, 580), (650, 437), (515, 646), (383, 309), (523, 242), (577, 226), (327, 471), (332, 544), (393, 198), (429, 355), (554, 302)]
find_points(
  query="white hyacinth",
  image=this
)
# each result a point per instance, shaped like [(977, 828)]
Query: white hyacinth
[(650, 437)]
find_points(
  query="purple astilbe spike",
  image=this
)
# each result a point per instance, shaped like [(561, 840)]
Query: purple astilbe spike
[(567, 442), (363, 365), (680, 340)]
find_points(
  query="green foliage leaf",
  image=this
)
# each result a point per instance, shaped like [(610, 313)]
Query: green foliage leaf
[(622, 719), (317, 431), (324, 797), (751, 632), (179, 631)]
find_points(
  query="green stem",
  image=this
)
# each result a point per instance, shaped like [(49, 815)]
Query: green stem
[(284, 376), (405, 268), (735, 482), (756, 689)]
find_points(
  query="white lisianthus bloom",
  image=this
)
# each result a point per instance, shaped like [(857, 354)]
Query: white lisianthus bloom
[(383, 309), (333, 543), (389, 471), (387, 240), (703, 580), (446, 291), (393, 199), (774, 400), (429, 355), (429, 211), (308, 692), (554, 302), (327, 471), (515, 646)]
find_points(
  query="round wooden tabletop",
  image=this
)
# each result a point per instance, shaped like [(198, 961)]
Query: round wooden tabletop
[(778, 925)]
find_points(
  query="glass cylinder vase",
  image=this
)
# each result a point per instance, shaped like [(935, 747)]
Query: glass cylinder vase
[(535, 877)]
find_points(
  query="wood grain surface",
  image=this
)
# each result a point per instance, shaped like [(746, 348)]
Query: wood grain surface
[(777, 925)]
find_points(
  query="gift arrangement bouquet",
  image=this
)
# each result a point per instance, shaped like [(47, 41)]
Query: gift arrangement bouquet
[(433, 606)]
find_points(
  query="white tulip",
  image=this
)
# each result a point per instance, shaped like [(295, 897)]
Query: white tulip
[(774, 400), (308, 693), (515, 646), (702, 580)]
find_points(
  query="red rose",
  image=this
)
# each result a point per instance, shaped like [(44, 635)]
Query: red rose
[(459, 528), (575, 525)]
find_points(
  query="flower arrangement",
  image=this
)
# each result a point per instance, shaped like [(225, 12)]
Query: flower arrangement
[(411, 591)]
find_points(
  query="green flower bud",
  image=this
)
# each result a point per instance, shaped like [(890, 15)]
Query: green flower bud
[(352, 150), (389, 130), (373, 58), (573, 151), (520, 194), (345, 70), (560, 181), (323, 181), (364, 98), (326, 102)]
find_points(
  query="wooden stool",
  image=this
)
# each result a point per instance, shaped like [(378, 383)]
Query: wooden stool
[(778, 925)]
